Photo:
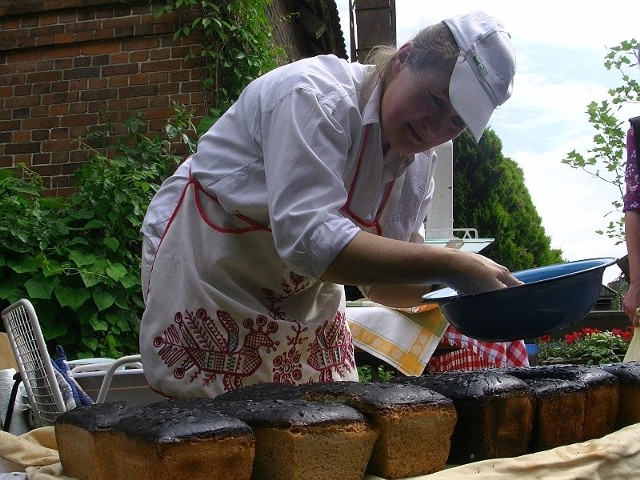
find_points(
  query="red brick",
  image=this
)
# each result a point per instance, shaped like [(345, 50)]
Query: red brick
[(26, 67), (58, 133), (63, 63), (6, 161), (61, 86), (39, 135), (21, 136), (41, 88), (159, 77), (159, 54), (161, 65), (77, 120), (139, 79), (98, 94), (139, 91), (168, 88), (100, 48), (138, 103), (77, 108), (21, 90), (40, 112), (47, 170), (97, 107), (118, 81), (26, 147), (41, 77), (46, 122), (22, 102), (159, 113), (126, 69)]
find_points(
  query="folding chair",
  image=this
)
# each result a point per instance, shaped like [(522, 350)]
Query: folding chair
[(34, 363)]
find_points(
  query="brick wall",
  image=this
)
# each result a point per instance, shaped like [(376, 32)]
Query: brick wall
[(64, 64)]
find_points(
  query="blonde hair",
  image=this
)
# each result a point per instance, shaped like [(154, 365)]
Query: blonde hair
[(433, 48)]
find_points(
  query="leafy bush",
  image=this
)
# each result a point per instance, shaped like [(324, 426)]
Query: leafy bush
[(77, 258)]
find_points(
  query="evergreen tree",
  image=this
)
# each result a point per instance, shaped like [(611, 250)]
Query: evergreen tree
[(490, 195)]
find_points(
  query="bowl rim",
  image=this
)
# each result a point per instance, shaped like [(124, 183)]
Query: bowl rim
[(442, 296)]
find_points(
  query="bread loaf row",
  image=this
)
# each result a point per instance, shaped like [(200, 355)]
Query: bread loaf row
[(408, 427)]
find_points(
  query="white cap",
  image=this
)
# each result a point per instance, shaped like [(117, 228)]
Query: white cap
[(482, 78)]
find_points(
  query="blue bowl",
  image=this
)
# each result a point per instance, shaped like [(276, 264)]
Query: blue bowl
[(550, 299)]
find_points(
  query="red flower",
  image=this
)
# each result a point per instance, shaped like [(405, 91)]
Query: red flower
[(545, 338), (626, 335), (572, 337), (589, 331)]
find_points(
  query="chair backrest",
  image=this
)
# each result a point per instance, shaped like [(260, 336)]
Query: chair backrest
[(34, 363)]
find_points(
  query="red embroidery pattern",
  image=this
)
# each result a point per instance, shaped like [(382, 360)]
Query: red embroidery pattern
[(197, 342), (332, 349), (296, 284), (287, 367)]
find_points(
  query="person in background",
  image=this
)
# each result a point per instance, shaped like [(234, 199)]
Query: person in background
[(631, 209), (319, 176)]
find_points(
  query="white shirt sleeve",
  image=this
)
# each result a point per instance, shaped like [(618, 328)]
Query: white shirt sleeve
[(306, 144)]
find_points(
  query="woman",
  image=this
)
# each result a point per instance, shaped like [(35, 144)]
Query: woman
[(631, 209), (320, 175)]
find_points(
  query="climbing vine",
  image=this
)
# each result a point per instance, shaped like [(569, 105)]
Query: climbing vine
[(233, 38)]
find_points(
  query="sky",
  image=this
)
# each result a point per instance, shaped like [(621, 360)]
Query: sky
[(560, 50)]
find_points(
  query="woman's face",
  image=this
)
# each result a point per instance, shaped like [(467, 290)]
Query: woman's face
[(416, 113)]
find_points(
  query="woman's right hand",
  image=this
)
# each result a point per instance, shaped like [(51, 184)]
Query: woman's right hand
[(631, 303), (473, 273)]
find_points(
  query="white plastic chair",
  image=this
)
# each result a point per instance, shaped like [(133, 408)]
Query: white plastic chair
[(34, 363)]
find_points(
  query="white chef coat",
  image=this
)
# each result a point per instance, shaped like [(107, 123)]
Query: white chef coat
[(277, 188)]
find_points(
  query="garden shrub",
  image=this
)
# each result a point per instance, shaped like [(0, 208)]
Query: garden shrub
[(77, 258)]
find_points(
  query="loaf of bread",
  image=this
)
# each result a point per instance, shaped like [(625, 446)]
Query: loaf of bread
[(301, 440), (84, 436), (603, 393), (574, 403), (628, 375), (414, 424), (495, 413), (171, 440)]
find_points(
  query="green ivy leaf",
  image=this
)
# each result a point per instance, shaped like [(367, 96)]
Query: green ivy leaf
[(98, 325), (111, 243), (89, 279), (102, 299), (23, 265), (82, 259), (116, 271), (41, 288), (10, 292), (72, 297), (91, 343), (92, 224), (130, 280), (54, 331)]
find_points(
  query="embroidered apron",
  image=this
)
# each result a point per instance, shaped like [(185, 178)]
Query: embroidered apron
[(223, 311)]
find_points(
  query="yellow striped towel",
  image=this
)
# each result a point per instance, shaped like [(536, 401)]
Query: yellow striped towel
[(403, 338)]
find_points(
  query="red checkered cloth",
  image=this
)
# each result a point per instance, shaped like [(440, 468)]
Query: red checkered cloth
[(476, 354)]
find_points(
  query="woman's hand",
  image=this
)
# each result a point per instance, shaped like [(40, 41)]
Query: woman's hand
[(631, 303), (472, 273)]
